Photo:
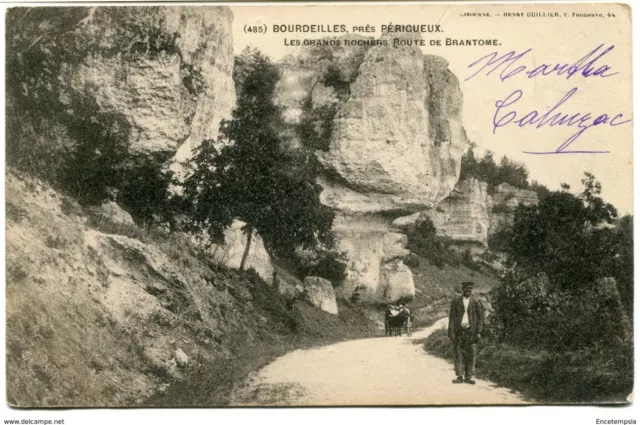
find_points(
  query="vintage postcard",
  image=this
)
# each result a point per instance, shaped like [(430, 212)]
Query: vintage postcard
[(318, 205)]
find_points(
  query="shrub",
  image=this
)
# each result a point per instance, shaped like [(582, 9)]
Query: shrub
[(326, 263), (500, 240), (411, 260), (568, 237), (501, 208), (469, 261), (424, 241), (487, 170), (144, 191)]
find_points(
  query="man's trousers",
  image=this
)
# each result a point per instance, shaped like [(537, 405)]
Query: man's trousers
[(464, 350)]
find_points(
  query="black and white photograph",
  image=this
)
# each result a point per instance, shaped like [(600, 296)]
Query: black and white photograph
[(318, 205)]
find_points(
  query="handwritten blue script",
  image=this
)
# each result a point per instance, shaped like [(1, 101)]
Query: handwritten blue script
[(508, 65), (506, 114)]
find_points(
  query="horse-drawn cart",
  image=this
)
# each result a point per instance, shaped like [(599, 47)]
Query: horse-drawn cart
[(396, 320)]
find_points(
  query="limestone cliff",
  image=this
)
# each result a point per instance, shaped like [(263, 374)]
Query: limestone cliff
[(166, 72), (470, 215), (506, 199), (387, 126), (464, 215)]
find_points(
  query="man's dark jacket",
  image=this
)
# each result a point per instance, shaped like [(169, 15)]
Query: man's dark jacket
[(475, 310)]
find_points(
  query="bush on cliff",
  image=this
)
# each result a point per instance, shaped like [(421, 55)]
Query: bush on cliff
[(544, 376), (568, 237)]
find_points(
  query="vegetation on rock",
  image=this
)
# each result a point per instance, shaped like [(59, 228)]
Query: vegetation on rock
[(62, 135), (253, 178), (487, 170)]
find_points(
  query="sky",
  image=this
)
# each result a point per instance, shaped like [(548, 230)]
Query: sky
[(551, 41)]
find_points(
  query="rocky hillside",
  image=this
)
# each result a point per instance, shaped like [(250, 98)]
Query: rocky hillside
[(100, 313), (153, 82), (386, 124)]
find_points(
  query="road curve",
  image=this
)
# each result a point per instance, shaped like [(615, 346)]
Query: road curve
[(372, 371)]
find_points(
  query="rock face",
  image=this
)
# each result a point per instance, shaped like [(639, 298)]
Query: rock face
[(463, 216), (230, 254), (319, 292), (506, 199), (469, 215), (387, 125), (165, 71)]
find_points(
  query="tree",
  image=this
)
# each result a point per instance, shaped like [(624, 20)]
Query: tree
[(565, 236), (622, 262), (486, 170), (513, 173), (469, 163), (252, 178)]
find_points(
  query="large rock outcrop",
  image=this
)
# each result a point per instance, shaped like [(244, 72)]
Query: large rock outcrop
[(506, 199), (387, 126), (164, 72), (463, 216), (470, 215)]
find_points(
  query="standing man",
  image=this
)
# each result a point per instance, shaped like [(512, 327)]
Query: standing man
[(466, 319)]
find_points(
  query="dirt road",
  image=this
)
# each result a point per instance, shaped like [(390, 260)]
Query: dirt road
[(389, 370)]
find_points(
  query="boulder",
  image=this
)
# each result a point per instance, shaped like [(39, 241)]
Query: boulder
[(319, 292), (113, 213)]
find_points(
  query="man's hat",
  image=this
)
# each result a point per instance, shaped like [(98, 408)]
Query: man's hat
[(467, 284)]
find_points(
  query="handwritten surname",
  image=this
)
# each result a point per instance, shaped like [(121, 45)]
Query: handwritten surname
[(506, 114)]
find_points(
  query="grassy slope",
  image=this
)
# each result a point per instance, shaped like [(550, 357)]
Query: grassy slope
[(212, 382), (100, 314)]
